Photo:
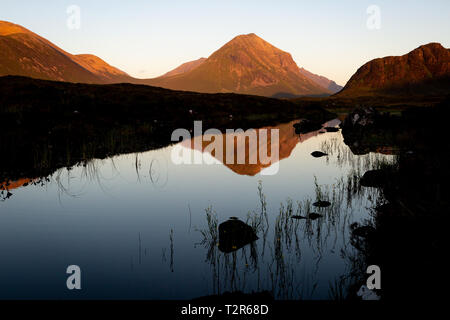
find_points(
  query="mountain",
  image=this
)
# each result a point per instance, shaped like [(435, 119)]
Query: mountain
[(423, 71), (101, 69), (249, 65), (25, 53), (322, 81), (185, 67)]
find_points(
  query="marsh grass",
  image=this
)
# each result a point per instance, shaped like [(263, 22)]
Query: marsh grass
[(276, 262)]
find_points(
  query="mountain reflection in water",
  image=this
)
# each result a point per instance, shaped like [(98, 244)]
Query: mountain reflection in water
[(153, 226), (288, 140)]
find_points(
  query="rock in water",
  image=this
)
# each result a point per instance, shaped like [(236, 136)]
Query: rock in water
[(318, 154), (306, 126), (299, 217), (361, 117), (362, 231), (322, 204), (234, 234), (314, 216), (376, 178)]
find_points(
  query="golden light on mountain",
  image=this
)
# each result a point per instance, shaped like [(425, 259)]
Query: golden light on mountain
[(25, 53), (425, 70), (247, 64)]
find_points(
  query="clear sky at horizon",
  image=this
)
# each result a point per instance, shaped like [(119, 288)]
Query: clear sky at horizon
[(149, 38)]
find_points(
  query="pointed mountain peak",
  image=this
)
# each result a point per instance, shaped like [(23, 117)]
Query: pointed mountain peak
[(246, 64), (249, 40), (247, 36)]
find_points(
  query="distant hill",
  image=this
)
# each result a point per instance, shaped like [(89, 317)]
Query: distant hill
[(185, 67), (24, 53), (322, 81), (423, 71), (247, 64)]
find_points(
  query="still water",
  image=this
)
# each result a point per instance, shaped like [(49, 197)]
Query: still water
[(137, 225)]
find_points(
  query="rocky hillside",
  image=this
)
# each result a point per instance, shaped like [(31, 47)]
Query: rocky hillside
[(425, 70)]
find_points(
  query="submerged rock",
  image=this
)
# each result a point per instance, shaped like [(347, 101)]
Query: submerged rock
[(376, 178), (322, 204), (312, 216), (367, 294), (362, 231), (306, 126), (318, 154), (299, 217), (235, 234), (361, 117)]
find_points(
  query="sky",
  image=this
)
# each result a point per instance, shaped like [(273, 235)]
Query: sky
[(148, 38)]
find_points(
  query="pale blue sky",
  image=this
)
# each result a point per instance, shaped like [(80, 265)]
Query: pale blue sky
[(148, 38)]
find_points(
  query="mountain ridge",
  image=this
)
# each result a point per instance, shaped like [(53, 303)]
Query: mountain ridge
[(185, 67), (24, 53), (424, 69), (246, 64), (322, 81)]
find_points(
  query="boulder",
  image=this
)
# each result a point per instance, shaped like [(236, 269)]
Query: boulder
[(376, 178), (362, 231), (314, 216), (311, 216), (318, 154), (361, 117), (235, 234), (322, 204), (305, 126)]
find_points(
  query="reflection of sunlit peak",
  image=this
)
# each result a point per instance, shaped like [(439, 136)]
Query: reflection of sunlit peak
[(286, 143), (11, 185)]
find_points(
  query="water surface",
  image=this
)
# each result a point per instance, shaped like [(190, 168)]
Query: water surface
[(136, 224)]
